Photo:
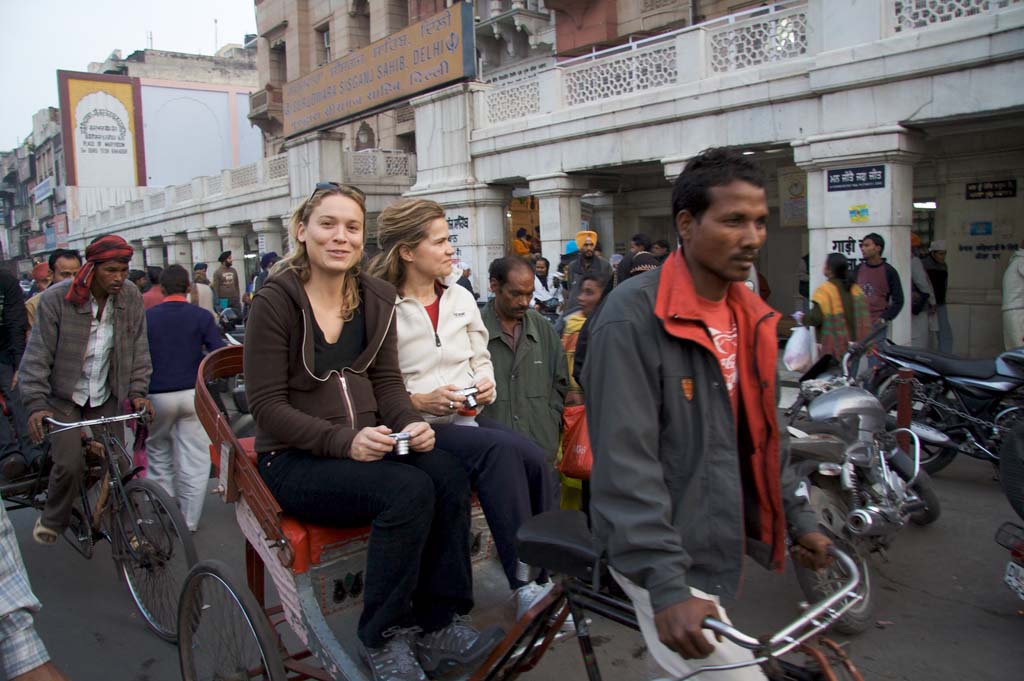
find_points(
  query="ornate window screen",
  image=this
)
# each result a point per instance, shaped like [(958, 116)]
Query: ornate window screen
[(214, 185), (364, 163), (760, 40), (396, 164), (912, 14), (243, 176), (277, 167), (635, 71), (183, 192), (514, 101)]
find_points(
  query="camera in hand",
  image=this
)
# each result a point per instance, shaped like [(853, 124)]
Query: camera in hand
[(401, 443), (468, 393)]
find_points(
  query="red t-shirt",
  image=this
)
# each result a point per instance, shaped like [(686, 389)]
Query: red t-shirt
[(721, 323), (434, 309)]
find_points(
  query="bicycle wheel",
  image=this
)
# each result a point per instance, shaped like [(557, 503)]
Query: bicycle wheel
[(223, 635), (155, 554)]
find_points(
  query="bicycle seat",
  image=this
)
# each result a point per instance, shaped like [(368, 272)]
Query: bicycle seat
[(558, 541), (309, 541), (947, 365)]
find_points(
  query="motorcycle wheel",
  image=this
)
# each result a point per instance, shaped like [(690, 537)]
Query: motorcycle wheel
[(933, 457), (827, 501)]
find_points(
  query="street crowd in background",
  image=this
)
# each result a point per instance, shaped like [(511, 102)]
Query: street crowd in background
[(487, 395)]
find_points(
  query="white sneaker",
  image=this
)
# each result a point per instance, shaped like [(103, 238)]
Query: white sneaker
[(528, 595)]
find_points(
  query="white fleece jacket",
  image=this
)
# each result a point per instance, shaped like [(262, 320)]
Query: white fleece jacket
[(455, 355)]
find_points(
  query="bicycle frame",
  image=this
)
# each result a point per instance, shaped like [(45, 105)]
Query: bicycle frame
[(114, 479), (573, 595)]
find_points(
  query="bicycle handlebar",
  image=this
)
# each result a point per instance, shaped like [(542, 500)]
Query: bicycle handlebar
[(816, 618), (61, 426)]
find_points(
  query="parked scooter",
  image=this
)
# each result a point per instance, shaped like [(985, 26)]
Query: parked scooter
[(971, 403), (862, 485), (232, 326)]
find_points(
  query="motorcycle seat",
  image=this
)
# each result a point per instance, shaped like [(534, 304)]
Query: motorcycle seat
[(560, 542), (947, 365)]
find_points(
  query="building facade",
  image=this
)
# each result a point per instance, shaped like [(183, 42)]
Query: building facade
[(885, 116)]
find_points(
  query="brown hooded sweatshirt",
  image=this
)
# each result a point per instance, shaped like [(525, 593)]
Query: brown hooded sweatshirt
[(295, 408)]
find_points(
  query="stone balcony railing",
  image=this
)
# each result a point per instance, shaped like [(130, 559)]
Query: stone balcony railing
[(263, 174), (773, 34), (381, 168)]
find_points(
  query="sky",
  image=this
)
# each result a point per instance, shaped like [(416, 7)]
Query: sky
[(38, 37)]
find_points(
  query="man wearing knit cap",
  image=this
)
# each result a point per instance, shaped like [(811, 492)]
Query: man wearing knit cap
[(268, 260), (87, 353), (226, 288), (587, 262), (935, 265)]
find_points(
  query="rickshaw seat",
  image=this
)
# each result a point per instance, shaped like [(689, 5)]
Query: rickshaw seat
[(309, 541)]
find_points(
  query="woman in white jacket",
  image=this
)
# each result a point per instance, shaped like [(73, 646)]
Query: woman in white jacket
[(442, 349)]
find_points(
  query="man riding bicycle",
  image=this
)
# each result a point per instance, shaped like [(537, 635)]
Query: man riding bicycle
[(680, 380), (87, 353)]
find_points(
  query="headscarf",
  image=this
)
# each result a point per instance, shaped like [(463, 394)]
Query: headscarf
[(581, 237), (41, 272), (104, 249)]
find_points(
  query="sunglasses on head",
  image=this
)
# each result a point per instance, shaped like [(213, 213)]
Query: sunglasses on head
[(331, 186)]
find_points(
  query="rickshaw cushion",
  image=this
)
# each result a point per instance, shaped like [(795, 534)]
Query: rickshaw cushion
[(308, 540)]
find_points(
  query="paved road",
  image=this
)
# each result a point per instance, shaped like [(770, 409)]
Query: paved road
[(943, 613)]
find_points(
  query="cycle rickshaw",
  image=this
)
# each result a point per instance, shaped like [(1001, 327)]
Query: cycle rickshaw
[(227, 631), (150, 543)]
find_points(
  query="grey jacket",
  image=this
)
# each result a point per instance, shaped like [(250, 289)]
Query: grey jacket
[(672, 500), (52, 363)]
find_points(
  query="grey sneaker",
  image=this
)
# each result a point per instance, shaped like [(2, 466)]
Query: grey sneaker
[(456, 646), (394, 661)]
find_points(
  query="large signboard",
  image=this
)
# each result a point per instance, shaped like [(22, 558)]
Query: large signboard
[(433, 52), (101, 117)]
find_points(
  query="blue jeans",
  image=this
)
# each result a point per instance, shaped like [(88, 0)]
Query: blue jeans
[(417, 506), (511, 475)]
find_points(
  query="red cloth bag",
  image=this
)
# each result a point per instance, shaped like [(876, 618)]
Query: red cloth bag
[(577, 456)]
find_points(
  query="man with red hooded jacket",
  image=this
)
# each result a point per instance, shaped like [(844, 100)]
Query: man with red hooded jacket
[(690, 472)]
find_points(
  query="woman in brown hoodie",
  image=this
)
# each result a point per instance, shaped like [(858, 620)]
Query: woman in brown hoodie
[(324, 386)]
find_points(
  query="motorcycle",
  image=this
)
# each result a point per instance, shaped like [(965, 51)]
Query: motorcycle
[(968, 406), (863, 487)]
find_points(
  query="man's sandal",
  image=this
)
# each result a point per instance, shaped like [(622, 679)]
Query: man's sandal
[(43, 534)]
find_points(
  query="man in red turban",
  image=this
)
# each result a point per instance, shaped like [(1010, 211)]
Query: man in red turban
[(87, 354)]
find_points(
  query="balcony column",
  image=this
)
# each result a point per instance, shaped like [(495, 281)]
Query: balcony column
[(314, 157), (271, 236), (840, 214), (154, 248), (179, 250), (204, 244), (138, 255), (558, 197), (232, 238)]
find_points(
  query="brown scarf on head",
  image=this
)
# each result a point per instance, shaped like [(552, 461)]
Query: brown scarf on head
[(104, 249)]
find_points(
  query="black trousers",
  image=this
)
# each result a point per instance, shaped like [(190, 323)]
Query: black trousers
[(417, 506), (512, 477)]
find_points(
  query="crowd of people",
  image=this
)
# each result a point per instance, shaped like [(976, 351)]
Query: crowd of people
[(670, 354)]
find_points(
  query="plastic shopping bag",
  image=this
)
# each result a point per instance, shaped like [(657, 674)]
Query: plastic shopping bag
[(577, 457), (801, 349)]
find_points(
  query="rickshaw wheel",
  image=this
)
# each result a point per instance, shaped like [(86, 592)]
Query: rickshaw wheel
[(223, 634)]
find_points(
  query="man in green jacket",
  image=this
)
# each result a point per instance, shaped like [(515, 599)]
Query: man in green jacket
[(529, 365)]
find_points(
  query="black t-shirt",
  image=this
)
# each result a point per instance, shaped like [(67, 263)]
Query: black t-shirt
[(343, 352)]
